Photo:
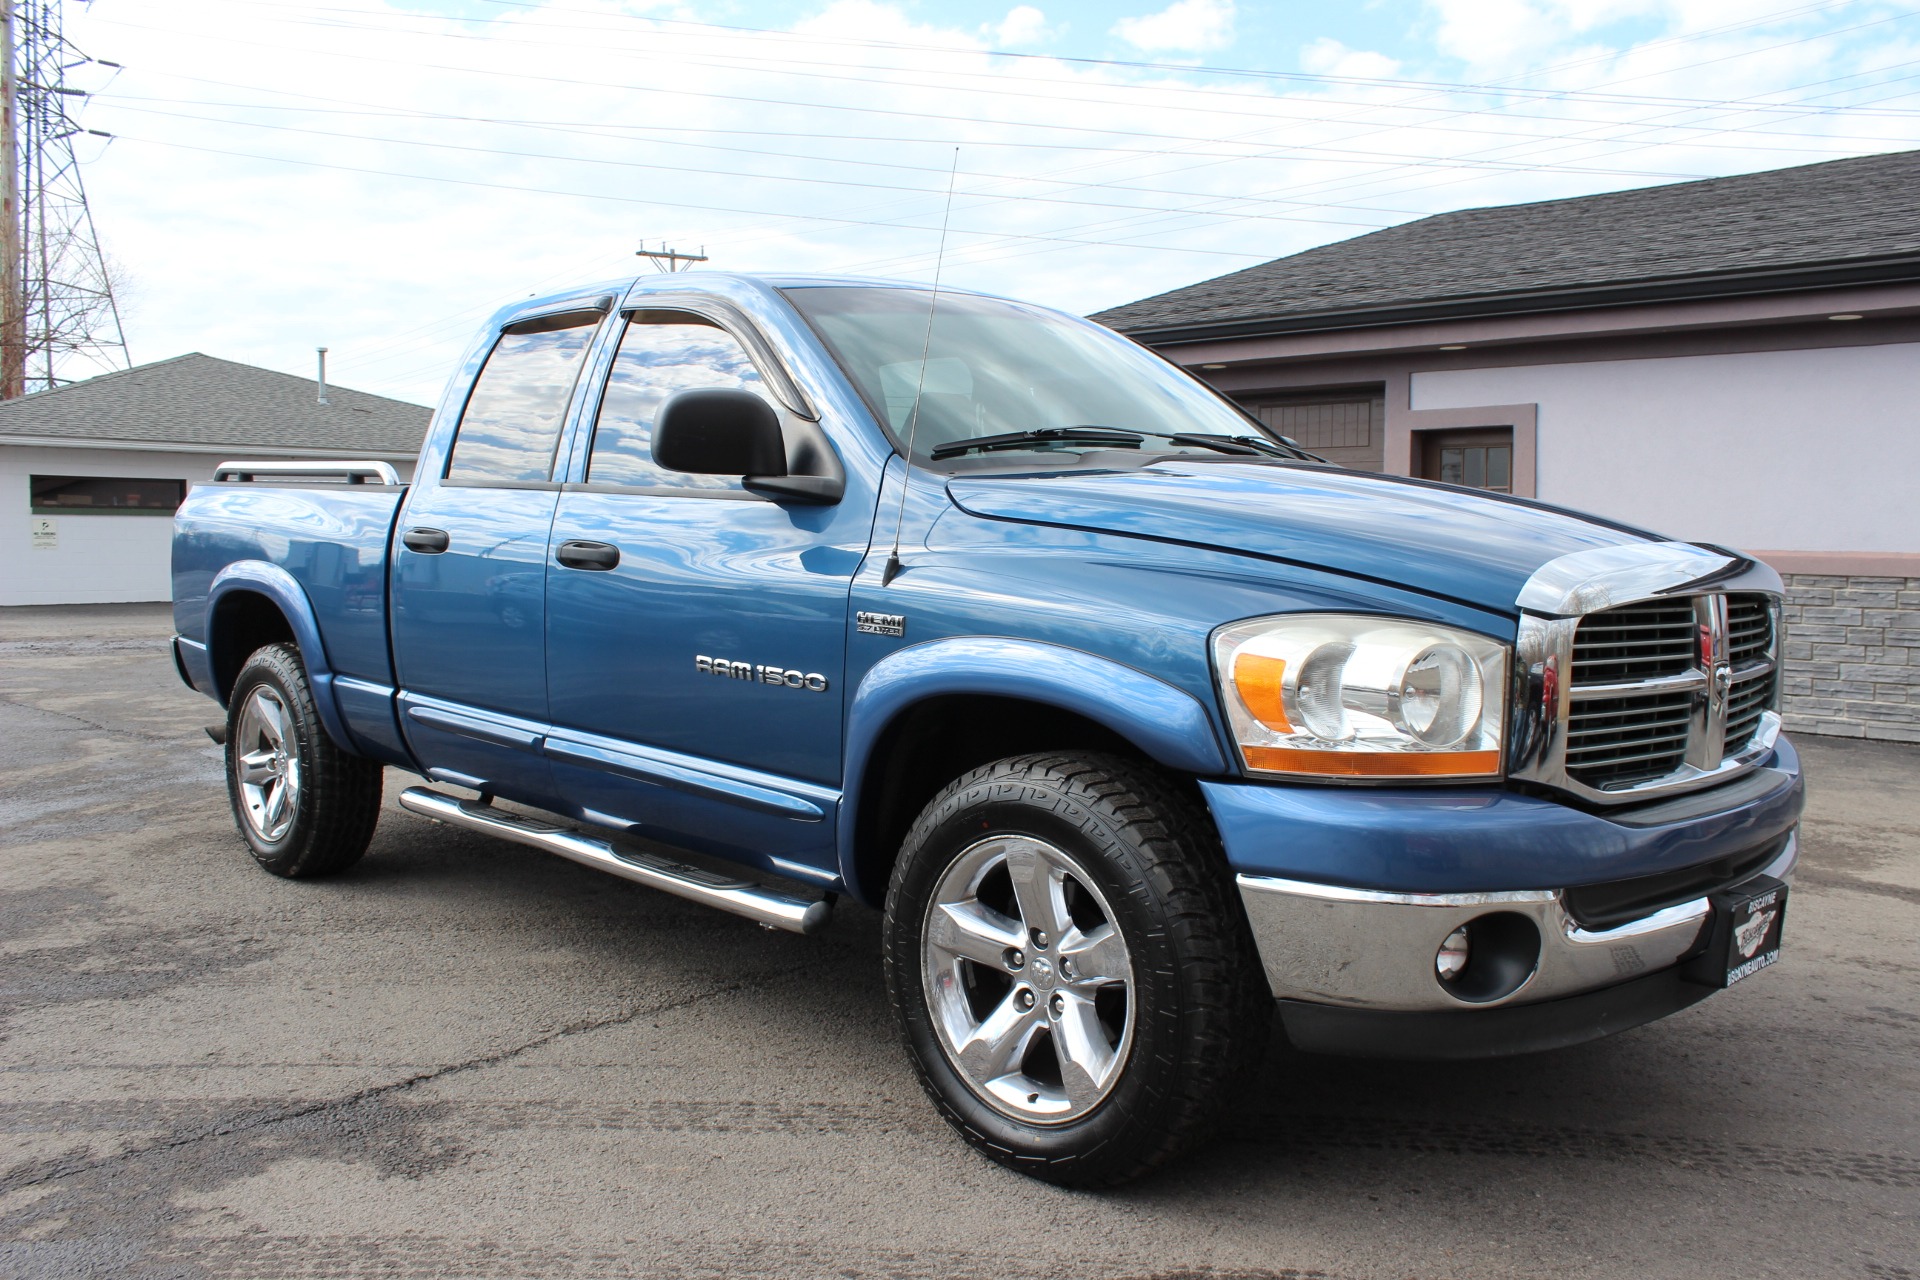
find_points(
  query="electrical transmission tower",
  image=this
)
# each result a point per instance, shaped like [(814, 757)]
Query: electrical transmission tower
[(58, 315)]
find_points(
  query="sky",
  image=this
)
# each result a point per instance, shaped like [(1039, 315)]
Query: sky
[(376, 176)]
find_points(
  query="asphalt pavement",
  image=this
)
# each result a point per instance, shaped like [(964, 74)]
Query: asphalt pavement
[(469, 1059)]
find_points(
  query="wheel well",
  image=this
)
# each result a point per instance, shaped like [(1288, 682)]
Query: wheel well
[(242, 622), (932, 743)]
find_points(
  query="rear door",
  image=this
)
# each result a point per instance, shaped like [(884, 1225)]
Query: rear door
[(694, 669), (470, 562)]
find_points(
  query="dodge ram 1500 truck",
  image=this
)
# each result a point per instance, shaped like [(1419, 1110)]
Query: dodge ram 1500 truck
[(1134, 719)]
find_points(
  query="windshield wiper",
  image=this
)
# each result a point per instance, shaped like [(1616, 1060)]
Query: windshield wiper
[(1040, 435), (1234, 444), (1092, 433)]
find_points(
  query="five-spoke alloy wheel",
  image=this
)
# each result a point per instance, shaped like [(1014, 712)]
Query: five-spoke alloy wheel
[(267, 775), (1071, 967), (1029, 979)]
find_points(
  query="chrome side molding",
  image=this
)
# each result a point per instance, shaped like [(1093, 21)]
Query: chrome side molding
[(757, 903)]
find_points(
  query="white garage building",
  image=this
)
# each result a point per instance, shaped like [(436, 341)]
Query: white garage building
[(90, 473), (1735, 360)]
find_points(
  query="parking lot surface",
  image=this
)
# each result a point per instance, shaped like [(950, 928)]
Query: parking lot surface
[(468, 1059)]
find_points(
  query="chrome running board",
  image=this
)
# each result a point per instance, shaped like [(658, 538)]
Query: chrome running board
[(742, 897)]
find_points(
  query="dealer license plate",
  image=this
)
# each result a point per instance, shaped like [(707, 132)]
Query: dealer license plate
[(1753, 935)]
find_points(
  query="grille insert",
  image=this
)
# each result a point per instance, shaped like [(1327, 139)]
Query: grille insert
[(1622, 741), (1638, 642), (1749, 628), (1749, 640)]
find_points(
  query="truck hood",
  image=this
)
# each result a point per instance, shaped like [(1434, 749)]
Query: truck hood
[(1474, 548)]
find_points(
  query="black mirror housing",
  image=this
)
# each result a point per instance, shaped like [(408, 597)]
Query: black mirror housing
[(719, 431)]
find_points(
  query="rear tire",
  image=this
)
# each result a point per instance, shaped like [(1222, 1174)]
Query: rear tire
[(1071, 967), (305, 807)]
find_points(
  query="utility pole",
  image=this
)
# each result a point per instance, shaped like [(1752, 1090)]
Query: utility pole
[(13, 320), (668, 260)]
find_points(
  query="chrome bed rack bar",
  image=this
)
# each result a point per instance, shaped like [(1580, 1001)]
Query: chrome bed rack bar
[(351, 472)]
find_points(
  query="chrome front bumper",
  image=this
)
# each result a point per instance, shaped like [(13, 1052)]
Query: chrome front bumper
[(1363, 949)]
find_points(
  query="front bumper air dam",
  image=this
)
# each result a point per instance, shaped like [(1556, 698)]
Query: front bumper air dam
[(1488, 1033), (1353, 969)]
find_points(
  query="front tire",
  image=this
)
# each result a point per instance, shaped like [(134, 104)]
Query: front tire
[(305, 807), (1071, 968)]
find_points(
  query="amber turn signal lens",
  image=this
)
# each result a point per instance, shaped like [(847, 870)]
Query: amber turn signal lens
[(1257, 677), (1374, 764)]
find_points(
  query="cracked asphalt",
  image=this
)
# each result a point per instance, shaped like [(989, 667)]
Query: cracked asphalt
[(468, 1059)]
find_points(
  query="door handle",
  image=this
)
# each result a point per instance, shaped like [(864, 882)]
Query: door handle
[(588, 555), (428, 542)]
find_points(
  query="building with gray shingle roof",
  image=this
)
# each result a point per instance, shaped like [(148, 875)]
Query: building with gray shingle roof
[(1730, 360), (90, 472), (1817, 225), (200, 402)]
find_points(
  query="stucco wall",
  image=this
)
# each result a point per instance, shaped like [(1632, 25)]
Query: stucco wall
[(1808, 450), (100, 558)]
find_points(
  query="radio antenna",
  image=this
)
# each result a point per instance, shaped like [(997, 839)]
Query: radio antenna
[(926, 345)]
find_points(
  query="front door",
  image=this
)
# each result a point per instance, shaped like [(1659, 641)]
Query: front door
[(696, 632), (470, 566)]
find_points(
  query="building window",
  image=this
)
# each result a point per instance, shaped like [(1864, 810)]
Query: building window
[(105, 495), (1476, 458), (1345, 425)]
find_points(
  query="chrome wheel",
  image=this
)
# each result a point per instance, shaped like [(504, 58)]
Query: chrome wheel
[(1028, 979), (265, 764)]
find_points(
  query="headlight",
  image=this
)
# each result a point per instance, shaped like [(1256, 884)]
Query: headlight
[(1337, 695)]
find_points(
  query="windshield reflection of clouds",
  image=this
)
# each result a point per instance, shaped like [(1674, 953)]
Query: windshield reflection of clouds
[(656, 360), (994, 367), (512, 421)]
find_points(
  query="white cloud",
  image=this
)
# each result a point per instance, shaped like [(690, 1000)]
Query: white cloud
[(1328, 57), (1186, 26), (1023, 24), (285, 178)]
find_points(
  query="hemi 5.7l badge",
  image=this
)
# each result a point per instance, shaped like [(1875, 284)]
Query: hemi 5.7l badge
[(880, 624), (812, 681)]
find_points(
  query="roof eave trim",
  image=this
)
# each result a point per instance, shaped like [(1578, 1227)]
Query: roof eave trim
[(219, 450), (1684, 289)]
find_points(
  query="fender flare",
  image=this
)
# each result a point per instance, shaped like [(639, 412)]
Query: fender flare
[(1164, 721), (285, 591)]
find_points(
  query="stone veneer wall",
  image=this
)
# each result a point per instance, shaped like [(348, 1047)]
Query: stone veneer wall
[(1853, 656)]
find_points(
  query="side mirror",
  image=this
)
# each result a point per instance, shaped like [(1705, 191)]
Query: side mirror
[(719, 431)]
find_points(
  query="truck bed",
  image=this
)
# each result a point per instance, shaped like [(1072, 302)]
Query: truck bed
[(332, 539)]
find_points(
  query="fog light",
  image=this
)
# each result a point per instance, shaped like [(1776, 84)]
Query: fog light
[(1451, 960)]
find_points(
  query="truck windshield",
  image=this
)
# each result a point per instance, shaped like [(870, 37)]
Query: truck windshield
[(1031, 380)]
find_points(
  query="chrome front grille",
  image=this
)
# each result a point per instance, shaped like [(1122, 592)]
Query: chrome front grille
[(1628, 698)]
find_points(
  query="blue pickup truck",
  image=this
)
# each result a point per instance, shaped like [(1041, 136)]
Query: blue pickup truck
[(1137, 721)]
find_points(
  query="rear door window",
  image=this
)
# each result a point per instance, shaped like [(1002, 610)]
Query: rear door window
[(512, 421)]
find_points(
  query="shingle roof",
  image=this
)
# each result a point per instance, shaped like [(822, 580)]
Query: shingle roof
[(197, 400), (1840, 211)]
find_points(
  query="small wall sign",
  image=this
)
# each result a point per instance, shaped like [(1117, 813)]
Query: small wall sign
[(46, 533)]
